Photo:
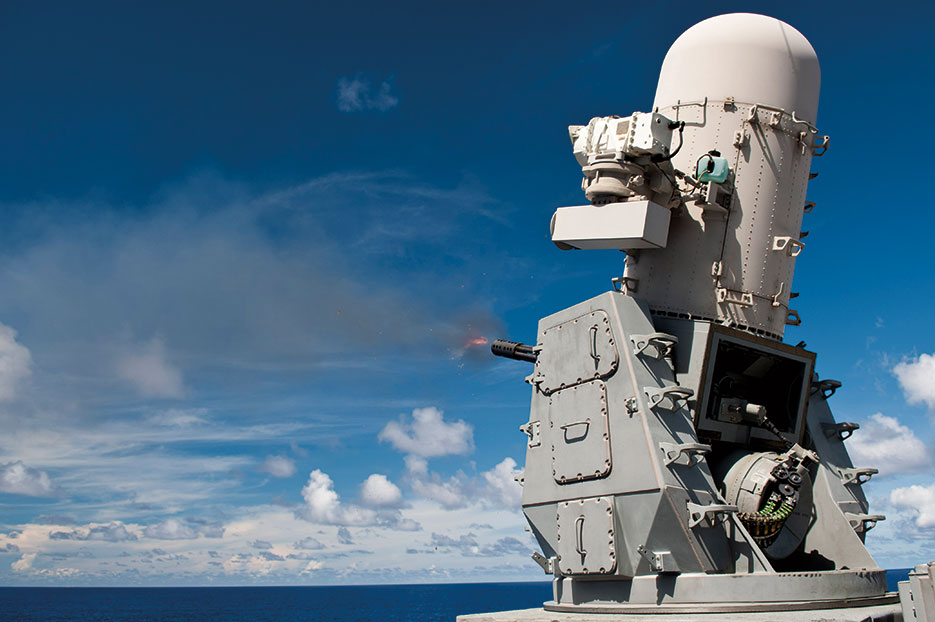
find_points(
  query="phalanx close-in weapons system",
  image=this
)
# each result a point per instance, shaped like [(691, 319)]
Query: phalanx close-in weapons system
[(681, 457)]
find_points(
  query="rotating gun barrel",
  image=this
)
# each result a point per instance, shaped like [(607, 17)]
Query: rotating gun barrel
[(513, 350)]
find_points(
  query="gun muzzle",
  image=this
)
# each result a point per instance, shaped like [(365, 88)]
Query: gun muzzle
[(513, 350)]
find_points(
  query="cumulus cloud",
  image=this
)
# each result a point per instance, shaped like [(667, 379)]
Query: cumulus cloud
[(18, 479), (502, 487), (308, 544), (360, 93), (884, 443), (24, 563), (175, 529), (111, 532), (378, 491), (344, 536), (15, 363), (148, 369), (494, 488), (324, 506), (271, 557), (278, 466), (919, 500), (428, 435), (917, 378), (312, 566)]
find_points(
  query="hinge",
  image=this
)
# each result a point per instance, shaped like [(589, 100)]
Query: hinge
[(546, 563), (532, 430), (660, 561), (729, 296), (624, 284)]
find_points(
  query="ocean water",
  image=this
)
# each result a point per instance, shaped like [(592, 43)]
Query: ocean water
[(370, 603)]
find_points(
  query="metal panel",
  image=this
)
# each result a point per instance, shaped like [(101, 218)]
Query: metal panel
[(618, 226), (580, 433), (586, 536), (576, 351)]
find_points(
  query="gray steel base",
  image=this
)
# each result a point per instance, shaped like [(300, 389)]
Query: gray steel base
[(879, 613), (729, 593)]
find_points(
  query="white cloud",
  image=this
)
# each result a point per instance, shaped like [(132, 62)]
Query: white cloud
[(322, 504), (919, 500), (468, 545), (494, 488), (18, 479), (175, 529), (111, 532), (884, 443), (308, 544), (429, 435), (358, 94), (502, 487), (378, 491), (312, 566), (278, 466), (455, 492), (150, 372), (917, 379), (15, 363), (179, 417), (416, 466), (24, 563)]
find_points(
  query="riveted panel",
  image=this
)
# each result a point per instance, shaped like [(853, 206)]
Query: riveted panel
[(580, 433), (576, 351), (586, 536)]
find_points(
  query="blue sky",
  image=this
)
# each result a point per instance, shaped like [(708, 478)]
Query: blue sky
[(243, 249)]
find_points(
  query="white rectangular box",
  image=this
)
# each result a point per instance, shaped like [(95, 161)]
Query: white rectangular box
[(620, 226)]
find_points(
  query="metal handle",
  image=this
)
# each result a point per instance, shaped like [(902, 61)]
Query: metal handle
[(662, 343), (579, 536), (593, 346), (707, 513), (827, 388), (857, 476), (675, 395), (586, 423)]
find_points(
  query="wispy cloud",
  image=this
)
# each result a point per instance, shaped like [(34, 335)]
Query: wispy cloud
[(278, 466), (362, 93), (150, 372), (15, 363)]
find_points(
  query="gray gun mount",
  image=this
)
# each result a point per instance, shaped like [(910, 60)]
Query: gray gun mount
[(680, 457)]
